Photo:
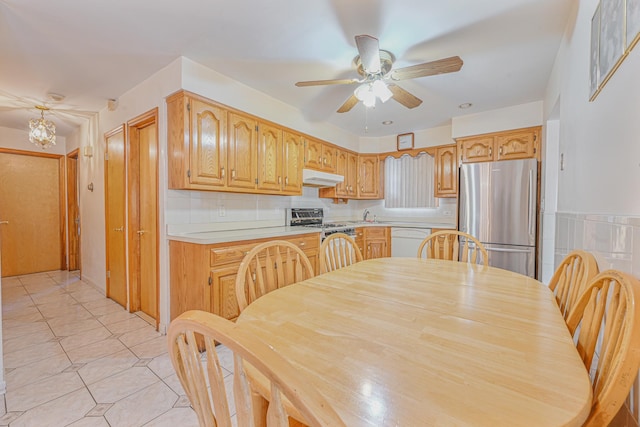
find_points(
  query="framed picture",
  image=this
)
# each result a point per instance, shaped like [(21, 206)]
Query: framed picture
[(633, 23), (593, 64), (611, 37), (405, 141)]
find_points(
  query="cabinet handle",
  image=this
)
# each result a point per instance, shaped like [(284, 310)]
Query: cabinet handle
[(362, 188), (500, 151), (222, 172), (301, 244), (210, 281), (438, 186), (320, 159), (4, 222), (490, 150), (324, 160), (286, 180), (279, 180), (140, 232), (233, 173), (119, 229)]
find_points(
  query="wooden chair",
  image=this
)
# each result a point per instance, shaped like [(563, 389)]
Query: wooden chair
[(270, 266), (205, 385), (337, 251), (575, 271), (446, 245), (605, 324)]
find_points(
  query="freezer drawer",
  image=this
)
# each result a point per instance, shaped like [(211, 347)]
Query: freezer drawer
[(520, 259)]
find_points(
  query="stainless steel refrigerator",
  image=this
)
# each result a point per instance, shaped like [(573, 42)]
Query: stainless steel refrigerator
[(497, 205)]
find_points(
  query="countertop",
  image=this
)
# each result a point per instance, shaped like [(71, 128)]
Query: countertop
[(208, 237)]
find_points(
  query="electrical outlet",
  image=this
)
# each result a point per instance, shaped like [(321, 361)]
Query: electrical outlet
[(221, 211)]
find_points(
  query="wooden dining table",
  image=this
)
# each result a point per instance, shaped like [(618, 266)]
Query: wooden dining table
[(422, 342)]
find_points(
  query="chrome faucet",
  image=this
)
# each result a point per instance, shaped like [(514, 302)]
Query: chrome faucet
[(365, 214)]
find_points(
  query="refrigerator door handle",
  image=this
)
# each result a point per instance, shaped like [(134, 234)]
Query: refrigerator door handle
[(507, 250), (530, 203)]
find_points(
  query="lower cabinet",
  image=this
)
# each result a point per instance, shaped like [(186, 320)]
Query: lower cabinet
[(374, 242), (203, 277)]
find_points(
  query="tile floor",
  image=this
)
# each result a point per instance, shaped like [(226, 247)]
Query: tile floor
[(75, 358)]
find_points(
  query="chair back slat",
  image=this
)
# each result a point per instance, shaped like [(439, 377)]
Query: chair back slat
[(287, 394), (605, 324), (338, 251), (270, 266), (446, 245), (574, 272)]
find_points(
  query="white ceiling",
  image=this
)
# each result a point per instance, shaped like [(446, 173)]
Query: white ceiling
[(91, 51)]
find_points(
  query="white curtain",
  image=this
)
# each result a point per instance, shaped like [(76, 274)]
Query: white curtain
[(408, 182)]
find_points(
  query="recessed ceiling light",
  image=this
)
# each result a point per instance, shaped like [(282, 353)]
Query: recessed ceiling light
[(465, 105), (387, 122)]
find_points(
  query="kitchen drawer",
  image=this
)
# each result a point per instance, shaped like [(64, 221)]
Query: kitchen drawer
[(230, 254), (235, 253), (306, 242), (376, 232)]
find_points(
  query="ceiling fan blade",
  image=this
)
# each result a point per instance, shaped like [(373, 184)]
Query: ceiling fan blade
[(441, 66), (327, 82), (348, 104), (404, 97), (369, 51)]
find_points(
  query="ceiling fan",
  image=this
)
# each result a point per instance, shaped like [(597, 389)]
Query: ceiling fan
[(378, 76)]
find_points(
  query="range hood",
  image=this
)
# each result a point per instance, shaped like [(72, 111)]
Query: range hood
[(314, 178)]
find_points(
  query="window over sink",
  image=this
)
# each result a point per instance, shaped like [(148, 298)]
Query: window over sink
[(408, 182)]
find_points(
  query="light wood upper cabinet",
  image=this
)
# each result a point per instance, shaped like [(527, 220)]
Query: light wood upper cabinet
[(319, 156), (269, 157), (446, 171), (196, 137), (508, 145), (347, 166), (476, 149), (292, 160), (214, 147), (517, 145), (242, 151), (369, 183), (208, 152)]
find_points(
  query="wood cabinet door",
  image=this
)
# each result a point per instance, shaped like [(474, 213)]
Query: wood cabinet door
[(241, 151), (223, 291), (477, 149), (329, 155), (446, 172), (208, 156), (517, 145), (342, 167), (292, 160), (269, 158), (313, 154), (376, 249), (352, 175), (368, 177)]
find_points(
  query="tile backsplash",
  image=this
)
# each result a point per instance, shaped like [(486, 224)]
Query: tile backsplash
[(614, 240), (203, 207)]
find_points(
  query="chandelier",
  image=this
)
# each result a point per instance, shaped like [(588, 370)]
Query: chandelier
[(42, 132)]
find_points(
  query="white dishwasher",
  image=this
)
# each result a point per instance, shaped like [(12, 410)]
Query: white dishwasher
[(405, 240)]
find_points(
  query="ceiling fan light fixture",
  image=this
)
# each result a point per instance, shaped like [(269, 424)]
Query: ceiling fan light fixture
[(381, 90), (42, 132)]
